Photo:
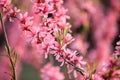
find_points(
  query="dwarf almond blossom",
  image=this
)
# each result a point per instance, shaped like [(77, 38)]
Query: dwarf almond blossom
[(4, 3), (26, 21), (118, 48)]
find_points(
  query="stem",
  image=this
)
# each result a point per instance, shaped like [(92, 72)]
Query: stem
[(75, 67), (8, 48)]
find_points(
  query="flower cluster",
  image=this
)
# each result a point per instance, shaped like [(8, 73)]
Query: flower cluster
[(52, 34), (111, 69), (7, 9), (4, 3)]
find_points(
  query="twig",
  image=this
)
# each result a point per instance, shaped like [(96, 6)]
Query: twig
[(8, 48)]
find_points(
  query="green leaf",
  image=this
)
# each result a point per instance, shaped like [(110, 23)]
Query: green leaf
[(66, 30), (58, 32), (89, 69), (58, 39), (94, 67), (15, 58)]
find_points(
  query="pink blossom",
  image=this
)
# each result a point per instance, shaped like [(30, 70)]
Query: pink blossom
[(4, 3), (118, 48), (80, 44), (43, 9), (25, 21), (115, 75), (49, 72), (36, 1), (12, 13), (96, 77), (115, 4)]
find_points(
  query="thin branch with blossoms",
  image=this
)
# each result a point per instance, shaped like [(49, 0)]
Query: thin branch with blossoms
[(11, 54), (53, 28), (13, 73), (75, 67)]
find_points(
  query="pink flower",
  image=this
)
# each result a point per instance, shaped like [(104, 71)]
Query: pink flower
[(48, 44), (96, 77), (4, 3), (36, 1), (12, 13), (49, 72), (116, 75), (33, 35), (68, 38), (117, 48), (43, 9), (25, 21), (73, 57), (80, 44)]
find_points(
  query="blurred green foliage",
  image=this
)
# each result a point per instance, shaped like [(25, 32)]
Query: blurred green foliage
[(29, 73)]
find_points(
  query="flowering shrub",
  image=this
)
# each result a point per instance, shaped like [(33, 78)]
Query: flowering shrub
[(48, 35)]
